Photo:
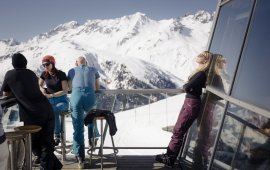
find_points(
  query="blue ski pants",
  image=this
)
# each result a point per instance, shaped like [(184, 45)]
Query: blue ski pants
[(82, 101)]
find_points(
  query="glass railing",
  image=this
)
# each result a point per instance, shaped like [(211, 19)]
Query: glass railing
[(11, 117), (237, 138), (144, 118)]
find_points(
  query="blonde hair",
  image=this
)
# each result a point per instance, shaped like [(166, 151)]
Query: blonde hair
[(219, 58), (203, 66)]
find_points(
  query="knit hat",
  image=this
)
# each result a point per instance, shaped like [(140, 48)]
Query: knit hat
[(19, 60), (48, 59)]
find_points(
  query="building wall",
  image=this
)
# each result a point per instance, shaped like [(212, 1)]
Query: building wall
[(234, 128)]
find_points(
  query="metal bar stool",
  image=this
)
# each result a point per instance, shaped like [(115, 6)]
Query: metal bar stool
[(101, 147), (28, 130), (14, 137), (64, 148)]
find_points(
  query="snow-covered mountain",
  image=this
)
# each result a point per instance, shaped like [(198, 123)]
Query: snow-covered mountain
[(133, 51)]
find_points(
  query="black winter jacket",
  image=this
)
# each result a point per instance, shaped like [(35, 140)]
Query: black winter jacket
[(109, 116)]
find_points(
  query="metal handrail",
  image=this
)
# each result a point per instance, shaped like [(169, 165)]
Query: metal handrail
[(245, 105), (10, 102), (140, 91), (246, 123), (132, 92)]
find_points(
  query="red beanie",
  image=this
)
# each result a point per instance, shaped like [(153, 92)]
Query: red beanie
[(48, 59)]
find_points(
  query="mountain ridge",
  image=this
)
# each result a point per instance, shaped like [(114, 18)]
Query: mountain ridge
[(167, 46)]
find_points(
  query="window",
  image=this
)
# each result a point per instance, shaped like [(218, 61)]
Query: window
[(229, 35), (252, 82), (244, 141)]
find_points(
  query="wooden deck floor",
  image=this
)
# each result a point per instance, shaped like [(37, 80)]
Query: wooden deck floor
[(125, 162)]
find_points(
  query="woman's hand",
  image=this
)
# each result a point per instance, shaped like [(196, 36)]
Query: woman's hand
[(48, 95), (44, 92)]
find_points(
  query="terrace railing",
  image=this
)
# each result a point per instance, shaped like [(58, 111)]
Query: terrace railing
[(140, 107)]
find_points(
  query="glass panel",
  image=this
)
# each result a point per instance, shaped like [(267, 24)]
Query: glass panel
[(227, 144), (217, 72), (190, 142), (11, 118), (254, 150), (229, 34), (247, 115), (122, 102), (137, 116), (244, 142), (202, 135), (209, 123), (253, 81)]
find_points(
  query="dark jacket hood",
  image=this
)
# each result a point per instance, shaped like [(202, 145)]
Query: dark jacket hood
[(19, 60)]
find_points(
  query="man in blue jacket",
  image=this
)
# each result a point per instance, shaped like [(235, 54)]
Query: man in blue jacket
[(83, 81)]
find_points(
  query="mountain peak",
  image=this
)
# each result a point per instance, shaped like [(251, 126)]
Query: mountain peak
[(202, 16), (59, 28), (138, 16), (66, 26), (9, 42)]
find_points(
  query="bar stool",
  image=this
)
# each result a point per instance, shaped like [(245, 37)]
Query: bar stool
[(28, 130), (13, 138), (101, 147), (64, 148)]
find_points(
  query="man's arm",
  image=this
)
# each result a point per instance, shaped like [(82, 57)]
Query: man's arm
[(69, 85), (5, 87), (7, 93), (97, 84), (70, 76)]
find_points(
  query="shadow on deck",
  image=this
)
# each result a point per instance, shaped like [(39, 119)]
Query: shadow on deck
[(125, 162)]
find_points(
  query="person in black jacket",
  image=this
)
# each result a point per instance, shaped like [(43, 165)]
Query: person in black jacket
[(190, 109), (34, 109)]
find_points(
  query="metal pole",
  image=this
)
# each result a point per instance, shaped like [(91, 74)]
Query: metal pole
[(102, 142), (149, 102), (239, 145), (28, 151), (114, 150), (13, 160), (218, 136), (63, 137)]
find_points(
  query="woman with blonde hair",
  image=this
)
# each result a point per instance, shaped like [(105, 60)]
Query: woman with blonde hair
[(206, 119), (220, 61), (190, 109)]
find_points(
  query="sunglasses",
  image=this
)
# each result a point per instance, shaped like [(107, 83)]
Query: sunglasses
[(46, 64)]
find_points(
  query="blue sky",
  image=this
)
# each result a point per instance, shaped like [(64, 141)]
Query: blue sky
[(23, 19)]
